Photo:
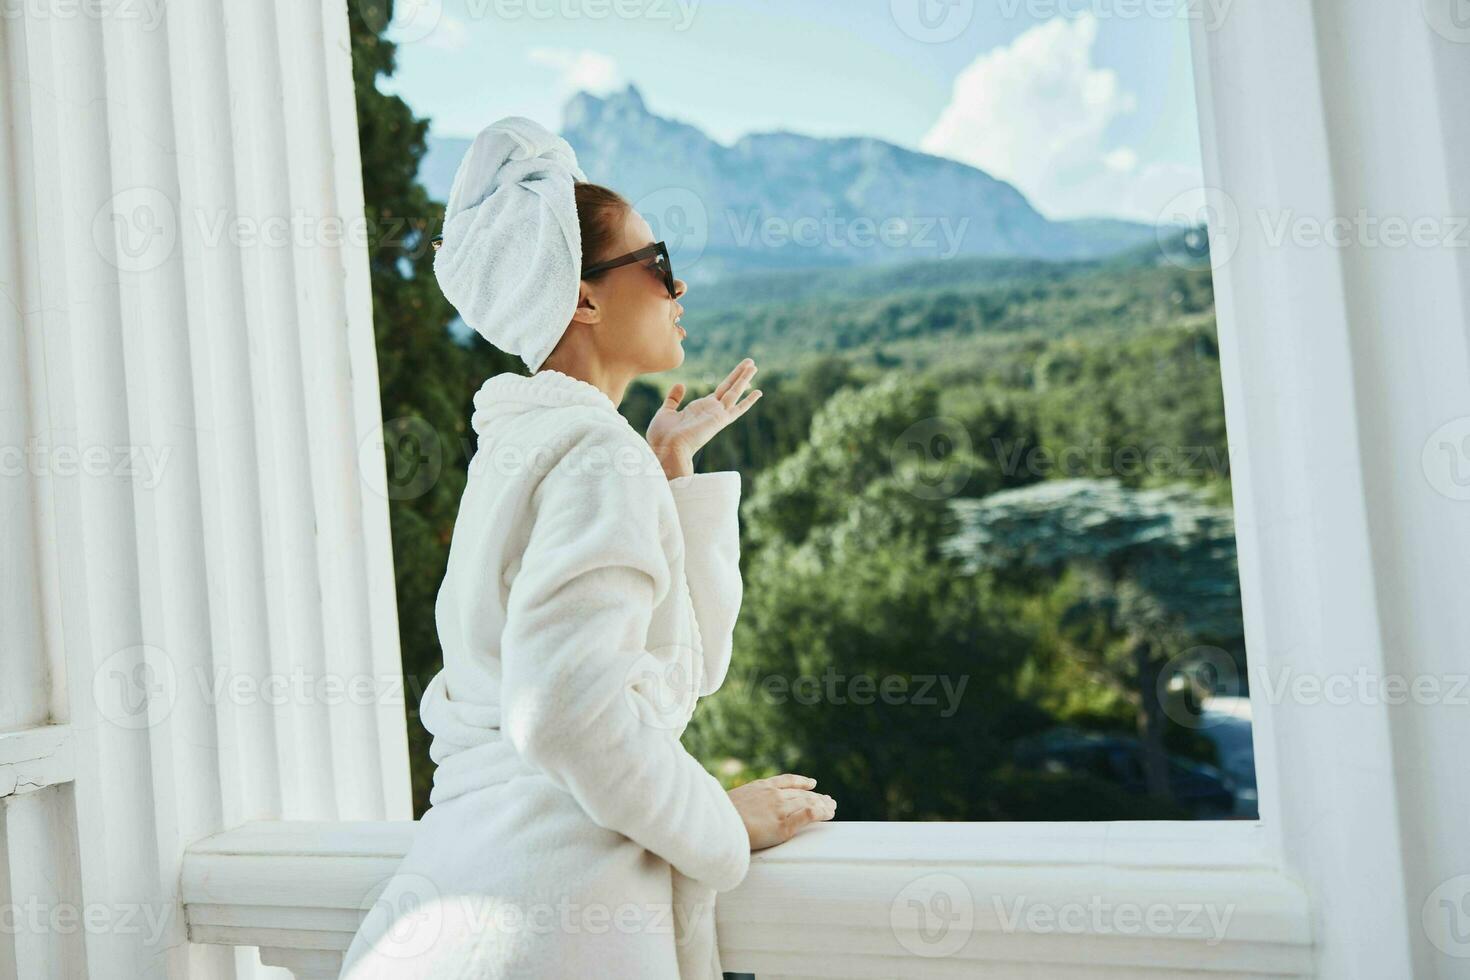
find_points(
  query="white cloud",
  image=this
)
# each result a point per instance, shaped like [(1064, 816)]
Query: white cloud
[(580, 70), (1121, 160), (1035, 113)]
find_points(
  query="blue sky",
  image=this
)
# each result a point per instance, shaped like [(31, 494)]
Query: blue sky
[(1086, 105)]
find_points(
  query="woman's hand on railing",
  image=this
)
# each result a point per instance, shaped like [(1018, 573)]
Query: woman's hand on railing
[(775, 808)]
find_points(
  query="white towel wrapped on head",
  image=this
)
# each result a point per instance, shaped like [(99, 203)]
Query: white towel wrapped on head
[(511, 259)]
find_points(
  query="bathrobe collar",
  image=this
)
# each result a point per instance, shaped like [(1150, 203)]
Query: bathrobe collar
[(548, 387), (512, 394)]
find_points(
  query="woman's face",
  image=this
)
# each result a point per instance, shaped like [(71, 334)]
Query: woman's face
[(635, 313)]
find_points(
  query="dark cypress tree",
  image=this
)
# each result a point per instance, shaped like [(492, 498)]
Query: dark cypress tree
[(427, 379)]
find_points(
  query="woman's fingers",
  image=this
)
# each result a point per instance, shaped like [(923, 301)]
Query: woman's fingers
[(801, 801), (750, 400), (810, 811), (800, 806), (729, 389), (735, 373)]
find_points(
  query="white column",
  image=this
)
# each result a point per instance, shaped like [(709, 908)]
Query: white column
[(211, 525), (1342, 358), (39, 864)]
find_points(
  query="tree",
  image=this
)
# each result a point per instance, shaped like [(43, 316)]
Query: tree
[(426, 381), (861, 648), (1154, 568)]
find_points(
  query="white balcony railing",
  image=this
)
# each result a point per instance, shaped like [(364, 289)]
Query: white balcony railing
[(847, 899)]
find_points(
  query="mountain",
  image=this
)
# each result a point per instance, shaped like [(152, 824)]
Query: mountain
[(785, 201), (748, 290)]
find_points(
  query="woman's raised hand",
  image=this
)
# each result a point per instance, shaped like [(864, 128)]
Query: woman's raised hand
[(775, 808), (676, 432)]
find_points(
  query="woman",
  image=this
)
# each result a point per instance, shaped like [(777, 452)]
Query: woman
[(590, 597)]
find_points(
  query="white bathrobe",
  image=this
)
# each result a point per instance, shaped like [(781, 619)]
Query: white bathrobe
[(588, 602)]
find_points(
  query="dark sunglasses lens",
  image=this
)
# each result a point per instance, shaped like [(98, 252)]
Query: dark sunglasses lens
[(661, 262)]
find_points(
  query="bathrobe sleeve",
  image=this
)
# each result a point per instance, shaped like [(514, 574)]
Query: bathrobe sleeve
[(709, 514), (577, 618)]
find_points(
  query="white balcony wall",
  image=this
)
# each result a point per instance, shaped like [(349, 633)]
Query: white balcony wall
[(196, 543)]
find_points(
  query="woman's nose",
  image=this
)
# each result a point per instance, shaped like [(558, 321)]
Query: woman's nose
[(680, 288)]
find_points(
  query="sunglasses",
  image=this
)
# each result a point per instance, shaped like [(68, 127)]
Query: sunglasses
[(661, 265), (658, 251)]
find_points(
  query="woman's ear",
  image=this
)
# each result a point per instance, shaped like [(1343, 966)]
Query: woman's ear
[(586, 311)]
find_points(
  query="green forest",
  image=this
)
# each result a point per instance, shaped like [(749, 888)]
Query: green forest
[(987, 545)]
